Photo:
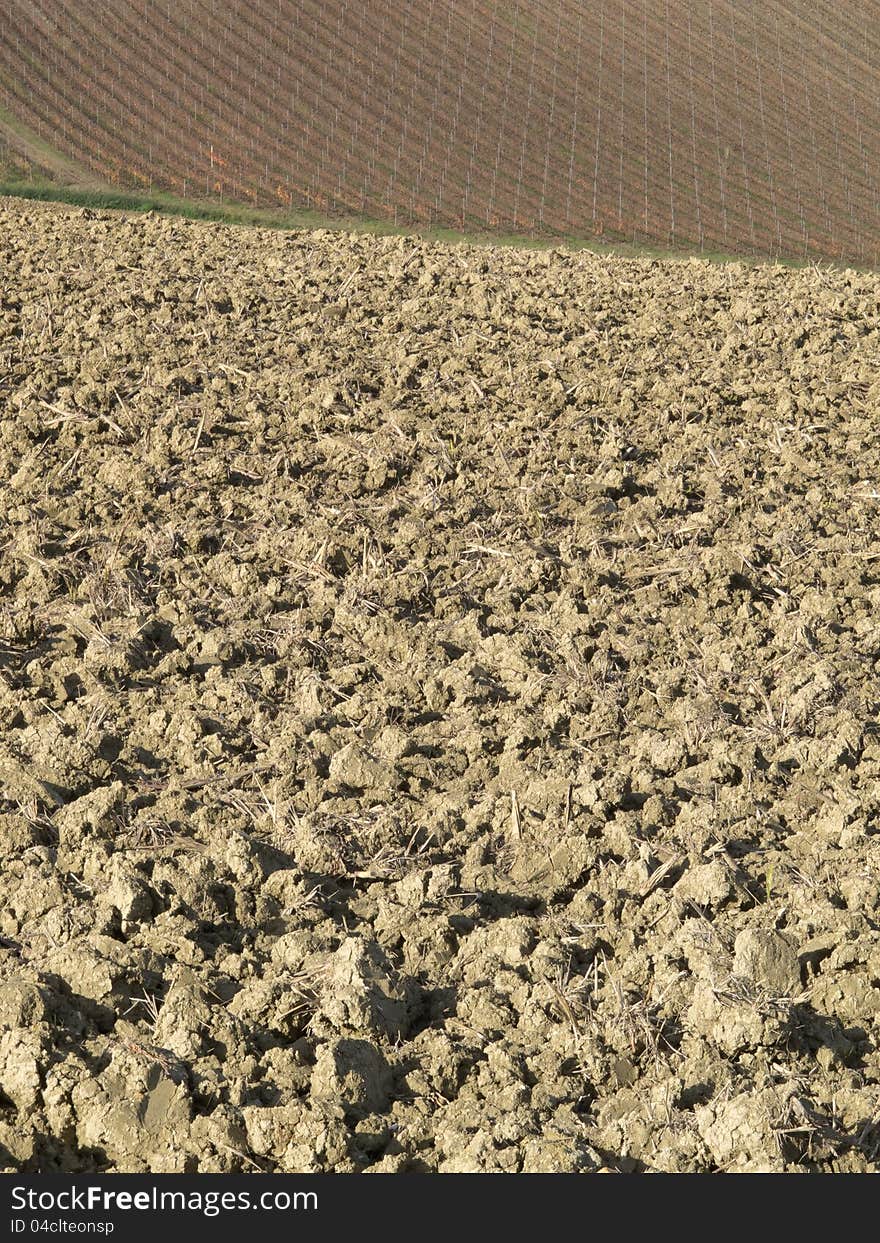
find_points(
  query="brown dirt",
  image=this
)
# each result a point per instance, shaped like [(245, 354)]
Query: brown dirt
[(438, 706)]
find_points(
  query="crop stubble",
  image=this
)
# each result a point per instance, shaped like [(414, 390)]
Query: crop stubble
[(437, 706)]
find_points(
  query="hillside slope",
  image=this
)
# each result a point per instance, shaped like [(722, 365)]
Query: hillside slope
[(438, 706), (734, 125)]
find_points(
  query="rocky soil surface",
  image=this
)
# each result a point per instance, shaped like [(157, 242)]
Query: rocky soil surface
[(438, 706)]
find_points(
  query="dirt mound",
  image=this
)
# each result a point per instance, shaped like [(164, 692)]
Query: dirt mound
[(439, 706)]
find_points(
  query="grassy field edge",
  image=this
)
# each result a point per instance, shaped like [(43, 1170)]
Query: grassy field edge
[(111, 199)]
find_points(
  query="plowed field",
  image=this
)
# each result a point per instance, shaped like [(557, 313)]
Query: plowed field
[(438, 706)]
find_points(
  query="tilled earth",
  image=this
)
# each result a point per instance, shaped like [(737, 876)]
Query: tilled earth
[(438, 706)]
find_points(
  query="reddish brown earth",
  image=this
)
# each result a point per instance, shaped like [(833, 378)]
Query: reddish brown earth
[(727, 125), (438, 706)]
